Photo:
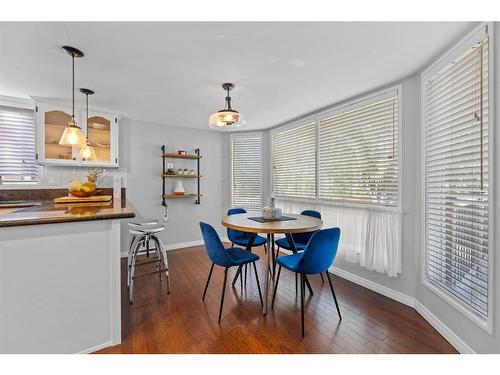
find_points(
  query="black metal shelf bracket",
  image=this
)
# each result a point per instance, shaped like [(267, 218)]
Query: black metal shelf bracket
[(198, 197), (197, 152), (163, 202)]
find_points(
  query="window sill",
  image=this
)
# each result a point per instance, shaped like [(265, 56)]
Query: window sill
[(484, 323), (359, 206)]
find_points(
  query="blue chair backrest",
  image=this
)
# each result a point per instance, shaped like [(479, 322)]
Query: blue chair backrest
[(320, 251), (305, 237), (233, 234), (215, 249)]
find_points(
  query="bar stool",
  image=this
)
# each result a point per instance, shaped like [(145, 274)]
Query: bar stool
[(141, 234)]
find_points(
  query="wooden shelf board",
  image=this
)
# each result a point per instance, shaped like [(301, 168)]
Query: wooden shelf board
[(177, 156), (181, 176), (182, 196)]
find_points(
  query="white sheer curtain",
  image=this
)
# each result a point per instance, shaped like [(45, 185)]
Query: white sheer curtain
[(368, 237)]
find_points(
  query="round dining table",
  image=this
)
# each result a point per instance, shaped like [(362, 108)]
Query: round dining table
[(295, 224)]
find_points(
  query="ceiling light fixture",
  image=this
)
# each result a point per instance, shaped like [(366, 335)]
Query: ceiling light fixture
[(87, 152), (72, 135), (226, 118)]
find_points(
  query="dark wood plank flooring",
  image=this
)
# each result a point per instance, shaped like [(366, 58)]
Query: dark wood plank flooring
[(182, 323)]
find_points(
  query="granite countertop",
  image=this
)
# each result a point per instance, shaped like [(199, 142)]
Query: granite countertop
[(49, 212)]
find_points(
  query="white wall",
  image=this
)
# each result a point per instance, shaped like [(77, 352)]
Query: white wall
[(478, 339), (140, 152), (460, 330)]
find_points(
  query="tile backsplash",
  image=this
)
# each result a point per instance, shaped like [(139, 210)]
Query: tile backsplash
[(52, 177)]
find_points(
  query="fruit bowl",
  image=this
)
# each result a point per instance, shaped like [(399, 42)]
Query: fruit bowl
[(88, 188), (82, 194)]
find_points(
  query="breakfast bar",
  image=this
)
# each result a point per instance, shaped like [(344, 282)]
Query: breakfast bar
[(60, 276)]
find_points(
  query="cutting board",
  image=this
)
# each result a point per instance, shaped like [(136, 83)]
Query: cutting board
[(94, 198)]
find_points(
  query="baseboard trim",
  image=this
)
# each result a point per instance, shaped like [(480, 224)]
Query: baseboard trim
[(385, 291), (175, 246), (425, 313), (96, 348), (443, 329)]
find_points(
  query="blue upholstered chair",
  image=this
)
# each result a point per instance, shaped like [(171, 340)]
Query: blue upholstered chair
[(300, 239), (317, 257), (243, 239), (225, 258)]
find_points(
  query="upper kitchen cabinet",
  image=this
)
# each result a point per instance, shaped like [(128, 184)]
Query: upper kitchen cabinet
[(102, 132)]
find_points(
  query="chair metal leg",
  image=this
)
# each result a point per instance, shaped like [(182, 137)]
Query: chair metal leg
[(306, 280), (223, 292), (246, 274), (258, 284), (333, 293), (237, 274), (296, 282), (276, 285), (208, 281), (241, 279), (322, 279), (302, 296)]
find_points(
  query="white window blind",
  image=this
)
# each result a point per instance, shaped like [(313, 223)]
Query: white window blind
[(456, 178), (246, 156), (294, 162), (17, 145), (358, 154)]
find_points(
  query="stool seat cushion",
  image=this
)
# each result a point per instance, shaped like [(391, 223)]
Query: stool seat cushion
[(240, 256)]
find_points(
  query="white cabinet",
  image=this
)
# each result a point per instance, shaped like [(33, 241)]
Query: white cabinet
[(51, 118)]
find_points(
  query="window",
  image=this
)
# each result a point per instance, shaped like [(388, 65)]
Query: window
[(347, 154), (17, 144), (246, 156), (358, 154), (294, 161), (456, 183)]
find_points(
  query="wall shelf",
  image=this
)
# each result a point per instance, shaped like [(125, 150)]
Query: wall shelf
[(196, 156), (181, 176), (185, 195), (177, 156)]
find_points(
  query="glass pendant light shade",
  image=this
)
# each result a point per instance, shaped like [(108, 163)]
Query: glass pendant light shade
[(87, 152), (227, 118), (72, 135)]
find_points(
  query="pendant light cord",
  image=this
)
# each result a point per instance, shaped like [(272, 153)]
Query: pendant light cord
[(87, 120), (73, 90)]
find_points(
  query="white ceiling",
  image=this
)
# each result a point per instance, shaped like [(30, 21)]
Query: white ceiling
[(170, 73)]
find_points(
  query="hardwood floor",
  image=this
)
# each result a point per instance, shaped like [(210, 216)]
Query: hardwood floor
[(182, 323)]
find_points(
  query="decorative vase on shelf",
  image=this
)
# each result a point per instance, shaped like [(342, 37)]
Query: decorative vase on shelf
[(179, 189)]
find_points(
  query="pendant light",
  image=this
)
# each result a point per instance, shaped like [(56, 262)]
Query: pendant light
[(227, 118), (87, 152), (72, 135)]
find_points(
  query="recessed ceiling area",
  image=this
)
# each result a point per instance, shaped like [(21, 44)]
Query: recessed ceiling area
[(171, 72)]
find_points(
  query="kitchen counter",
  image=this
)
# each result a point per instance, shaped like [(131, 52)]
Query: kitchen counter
[(60, 274), (49, 212)]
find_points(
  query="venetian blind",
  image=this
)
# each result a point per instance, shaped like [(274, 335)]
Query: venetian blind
[(294, 162), (246, 151), (456, 178), (358, 154), (17, 145)]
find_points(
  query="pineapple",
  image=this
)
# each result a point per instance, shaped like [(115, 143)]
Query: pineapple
[(94, 175)]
